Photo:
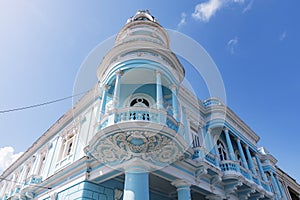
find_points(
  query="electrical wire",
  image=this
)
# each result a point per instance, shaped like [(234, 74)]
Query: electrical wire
[(40, 104)]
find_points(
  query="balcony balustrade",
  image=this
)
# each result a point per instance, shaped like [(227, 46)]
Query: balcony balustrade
[(130, 114)]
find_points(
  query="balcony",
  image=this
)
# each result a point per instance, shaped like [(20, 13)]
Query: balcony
[(144, 133), (131, 114)]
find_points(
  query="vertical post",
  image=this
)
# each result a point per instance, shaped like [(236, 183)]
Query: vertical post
[(103, 101), (159, 93), (212, 146), (275, 184), (116, 97), (244, 161), (136, 184), (183, 189), (175, 103), (250, 161), (229, 144), (279, 186), (261, 171)]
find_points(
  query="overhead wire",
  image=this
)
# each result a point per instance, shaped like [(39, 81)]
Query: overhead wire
[(40, 104)]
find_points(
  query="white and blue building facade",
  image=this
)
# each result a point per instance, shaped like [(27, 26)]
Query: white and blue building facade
[(139, 134)]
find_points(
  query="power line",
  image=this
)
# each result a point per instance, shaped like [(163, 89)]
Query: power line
[(40, 104)]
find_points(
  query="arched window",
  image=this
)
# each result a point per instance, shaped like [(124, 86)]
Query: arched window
[(238, 158), (222, 150), (142, 102)]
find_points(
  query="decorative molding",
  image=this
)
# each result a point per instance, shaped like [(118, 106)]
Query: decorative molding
[(149, 146)]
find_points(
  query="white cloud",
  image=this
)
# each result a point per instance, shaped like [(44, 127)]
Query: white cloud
[(7, 157), (231, 44), (283, 35), (248, 7), (182, 20), (204, 11)]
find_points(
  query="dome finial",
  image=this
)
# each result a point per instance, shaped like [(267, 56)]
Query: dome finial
[(142, 15)]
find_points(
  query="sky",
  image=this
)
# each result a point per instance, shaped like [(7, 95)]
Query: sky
[(254, 43)]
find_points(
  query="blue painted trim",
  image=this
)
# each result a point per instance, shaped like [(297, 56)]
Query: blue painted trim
[(222, 123), (147, 64)]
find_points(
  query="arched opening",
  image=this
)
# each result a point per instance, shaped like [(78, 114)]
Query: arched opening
[(223, 153)]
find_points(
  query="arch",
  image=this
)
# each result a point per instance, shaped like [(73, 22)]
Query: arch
[(222, 150), (140, 99)]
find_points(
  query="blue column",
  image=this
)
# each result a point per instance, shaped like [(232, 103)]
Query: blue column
[(136, 185), (229, 144), (250, 161), (183, 189), (159, 93), (275, 184), (116, 97), (244, 161), (103, 101), (212, 146), (261, 171), (175, 103), (279, 186)]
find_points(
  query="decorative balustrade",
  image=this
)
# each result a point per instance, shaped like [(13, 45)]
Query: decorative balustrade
[(33, 180), (139, 114), (255, 180), (265, 185), (229, 166), (245, 173)]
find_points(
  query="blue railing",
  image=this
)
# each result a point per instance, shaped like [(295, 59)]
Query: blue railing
[(210, 158), (245, 173), (139, 114), (228, 166)]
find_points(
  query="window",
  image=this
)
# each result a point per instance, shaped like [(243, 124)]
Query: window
[(41, 166), (222, 150), (139, 102), (238, 158), (67, 147)]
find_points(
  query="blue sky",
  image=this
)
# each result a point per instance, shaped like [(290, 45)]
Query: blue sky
[(254, 43)]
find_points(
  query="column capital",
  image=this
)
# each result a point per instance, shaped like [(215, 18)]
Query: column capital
[(208, 130), (225, 129), (238, 140), (119, 72), (179, 183), (159, 72), (173, 87), (105, 87)]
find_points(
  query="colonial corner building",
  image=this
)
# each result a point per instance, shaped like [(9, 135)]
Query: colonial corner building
[(139, 134)]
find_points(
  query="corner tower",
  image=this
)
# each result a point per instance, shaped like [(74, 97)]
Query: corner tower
[(139, 126)]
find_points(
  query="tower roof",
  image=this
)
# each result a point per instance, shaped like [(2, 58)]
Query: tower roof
[(142, 15)]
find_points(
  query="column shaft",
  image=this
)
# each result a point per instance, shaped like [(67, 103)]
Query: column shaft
[(183, 189), (244, 161), (116, 97), (212, 147), (279, 186), (175, 103), (250, 161), (136, 186), (229, 144), (274, 184), (159, 93), (103, 100), (261, 171)]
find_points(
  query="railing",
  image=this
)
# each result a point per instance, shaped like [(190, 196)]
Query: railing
[(138, 114), (33, 180), (255, 180), (229, 166), (265, 185), (245, 173)]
